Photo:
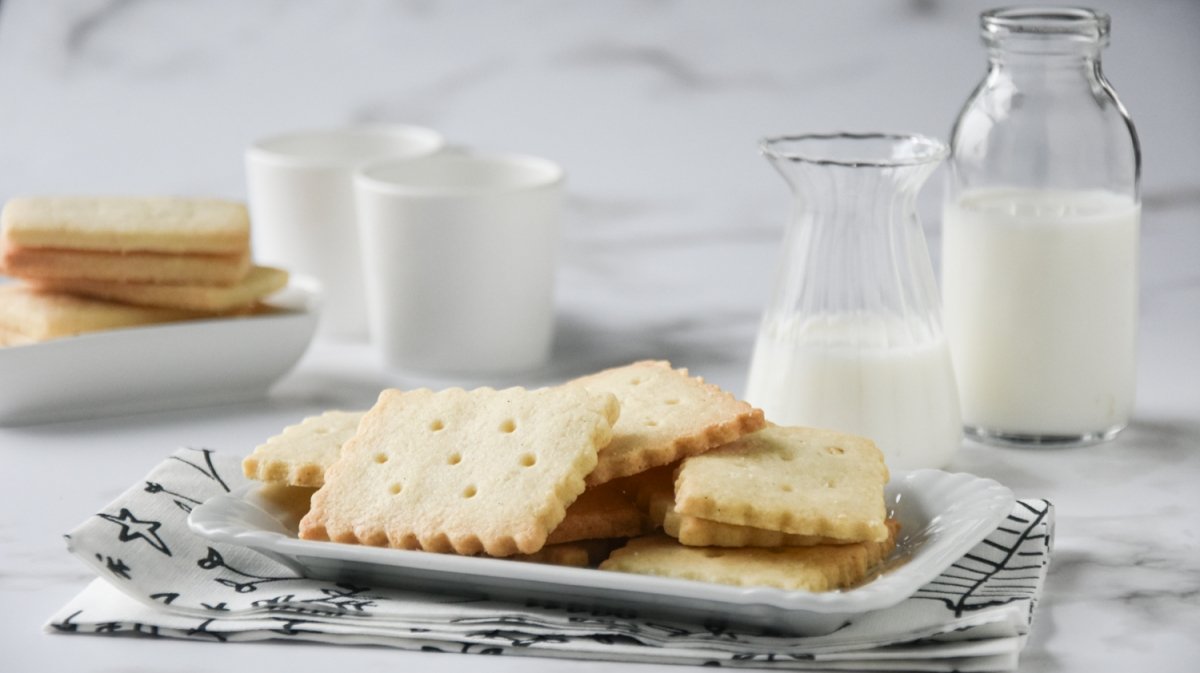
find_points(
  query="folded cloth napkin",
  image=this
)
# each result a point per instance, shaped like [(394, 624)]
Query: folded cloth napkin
[(159, 579)]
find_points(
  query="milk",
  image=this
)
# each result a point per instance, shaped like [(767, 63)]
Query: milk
[(1040, 308), (865, 375)]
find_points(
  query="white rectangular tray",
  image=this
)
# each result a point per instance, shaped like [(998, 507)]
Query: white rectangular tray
[(942, 516)]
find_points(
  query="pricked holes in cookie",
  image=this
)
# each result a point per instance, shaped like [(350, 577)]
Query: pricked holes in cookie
[(320, 431), (508, 425), (454, 459), (671, 401), (786, 488), (470, 491), (635, 382), (528, 460), (395, 489), (436, 425), (381, 458), (829, 483), (650, 423), (834, 450)]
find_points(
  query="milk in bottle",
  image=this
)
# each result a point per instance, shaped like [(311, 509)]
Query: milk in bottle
[(1040, 305), (1040, 236)]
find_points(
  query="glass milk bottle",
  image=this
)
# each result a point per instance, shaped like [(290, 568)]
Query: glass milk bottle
[(1040, 236), (851, 338)]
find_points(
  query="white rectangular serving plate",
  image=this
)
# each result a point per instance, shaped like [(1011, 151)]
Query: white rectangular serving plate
[(942, 516), (157, 367)]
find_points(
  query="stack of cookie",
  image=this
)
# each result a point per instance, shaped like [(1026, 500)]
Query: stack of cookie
[(641, 468), (788, 507), (91, 263)]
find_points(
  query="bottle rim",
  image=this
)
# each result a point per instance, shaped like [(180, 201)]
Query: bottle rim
[(1045, 23), (877, 150)]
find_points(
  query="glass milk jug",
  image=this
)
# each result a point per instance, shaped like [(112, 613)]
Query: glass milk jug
[(851, 338), (1040, 236)]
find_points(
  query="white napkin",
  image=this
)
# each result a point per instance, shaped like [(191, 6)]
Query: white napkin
[(159, 579)]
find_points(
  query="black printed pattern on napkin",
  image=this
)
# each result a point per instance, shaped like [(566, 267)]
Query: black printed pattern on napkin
[(143, 539), (182, 586), (1004, 568)]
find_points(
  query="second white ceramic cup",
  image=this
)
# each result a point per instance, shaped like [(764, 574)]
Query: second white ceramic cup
[(459, 251), (301, 189)]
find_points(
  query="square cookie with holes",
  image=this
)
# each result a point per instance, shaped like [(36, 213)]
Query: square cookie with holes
[(300, 454), (793, 480), (665, 415), (485, 470)]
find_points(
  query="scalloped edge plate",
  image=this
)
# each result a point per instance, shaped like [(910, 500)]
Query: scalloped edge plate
[(942, 516), (159, 367)]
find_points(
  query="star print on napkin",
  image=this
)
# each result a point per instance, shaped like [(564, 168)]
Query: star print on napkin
[(133, 528)]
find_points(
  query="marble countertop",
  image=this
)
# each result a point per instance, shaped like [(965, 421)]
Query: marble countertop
[(670, 245)]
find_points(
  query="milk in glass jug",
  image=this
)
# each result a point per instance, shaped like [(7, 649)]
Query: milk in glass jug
[(851, 338)]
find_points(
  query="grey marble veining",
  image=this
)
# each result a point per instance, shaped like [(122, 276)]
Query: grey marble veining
[(670, 243)]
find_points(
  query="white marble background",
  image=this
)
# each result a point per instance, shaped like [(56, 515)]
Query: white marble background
[(654, 107)]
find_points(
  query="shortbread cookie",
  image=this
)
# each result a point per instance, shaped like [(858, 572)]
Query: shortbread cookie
[(567, 554), (665, 415), (653, 491), (598, 550), (696, 532), (300, 454), (599, 512), (11, 338), (260, 282), (38, 316), (577, 554), (57, 264), (819, 568), (287, 503), (120, 224), (802, 481), (469, 472)]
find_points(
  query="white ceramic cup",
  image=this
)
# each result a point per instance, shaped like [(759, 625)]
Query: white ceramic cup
[(458, 251), (301, 189)]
